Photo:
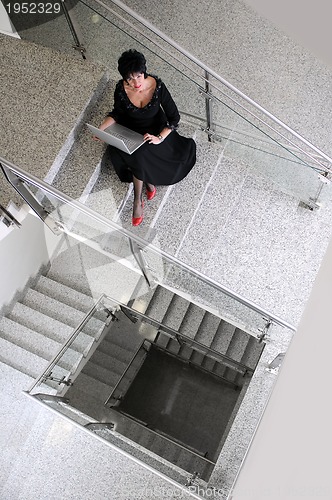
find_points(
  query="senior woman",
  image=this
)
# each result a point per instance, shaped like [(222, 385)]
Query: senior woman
[(143, 103)]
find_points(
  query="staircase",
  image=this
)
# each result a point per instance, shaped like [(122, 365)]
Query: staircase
[(109, 365), (32, 333), (189, 319)]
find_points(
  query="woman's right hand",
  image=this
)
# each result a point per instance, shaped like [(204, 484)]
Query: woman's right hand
[(106, 123)]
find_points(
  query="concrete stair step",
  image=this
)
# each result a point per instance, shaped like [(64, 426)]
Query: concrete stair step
[(159, 303), (162, 340), (108, 362), (175, 312), (173, 346), (64, 294), (88, 404), (223, 337), (115, 351), (50, 327), (238, 345), (84, 384), (36, 343), (208, 328), (192, 320), (74, 265), (170, 235), (197, 357), (106, 376), (185, 352), (252, 352), (20, 359), (208, 363), (61, 312)]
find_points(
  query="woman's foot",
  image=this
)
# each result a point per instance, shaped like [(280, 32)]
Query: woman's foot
[(137, 213), (150, 191)]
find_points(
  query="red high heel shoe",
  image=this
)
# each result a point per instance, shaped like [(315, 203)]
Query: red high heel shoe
[(151, 194), (136, 221)]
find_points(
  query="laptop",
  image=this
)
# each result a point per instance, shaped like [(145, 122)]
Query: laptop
[(119, 136)]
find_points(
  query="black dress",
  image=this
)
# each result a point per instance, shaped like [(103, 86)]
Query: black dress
[(159, 164)]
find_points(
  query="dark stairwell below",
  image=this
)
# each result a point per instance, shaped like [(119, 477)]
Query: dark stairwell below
[(181, 401)]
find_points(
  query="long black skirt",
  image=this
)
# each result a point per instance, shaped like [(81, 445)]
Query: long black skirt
[(159, 164)]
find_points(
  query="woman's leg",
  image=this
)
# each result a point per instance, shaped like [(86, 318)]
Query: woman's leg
[(149, 187), (137, 209)]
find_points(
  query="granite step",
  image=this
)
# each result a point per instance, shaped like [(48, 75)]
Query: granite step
[(252, 353), (64, 294), (208, 329), (61, 312), (176, 311), (159, 303), (104, 375), (223, 337), (192, 321), (91, 386), (49, 327), (38, 344), (108, 362), (19, 358)]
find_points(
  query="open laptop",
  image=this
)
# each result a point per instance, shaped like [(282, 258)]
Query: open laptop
[(119, 136)]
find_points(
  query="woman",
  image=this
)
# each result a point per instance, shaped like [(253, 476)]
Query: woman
[(143, 103)]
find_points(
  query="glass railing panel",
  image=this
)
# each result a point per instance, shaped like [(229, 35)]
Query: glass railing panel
[(49, 29), (205, 293), (106, 37), (261, 156), (68, 362), (87, 232)]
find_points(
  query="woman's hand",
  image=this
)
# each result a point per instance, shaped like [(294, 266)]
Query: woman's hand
[(106, 123), (152, 139)]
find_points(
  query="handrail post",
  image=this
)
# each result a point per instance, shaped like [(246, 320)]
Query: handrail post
[(78, 45), (30, 199), (137, 253), (313, 202), (208, 106)]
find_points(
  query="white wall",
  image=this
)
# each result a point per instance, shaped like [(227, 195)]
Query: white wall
[(307, 22), (6, 26), (290, 456), (22, 252)]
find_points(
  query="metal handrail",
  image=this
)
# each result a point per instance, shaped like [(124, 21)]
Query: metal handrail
[(162, 435), (67, 343), (124, 372), (218, 356), (145, 244), (211, 72), (115, 448)]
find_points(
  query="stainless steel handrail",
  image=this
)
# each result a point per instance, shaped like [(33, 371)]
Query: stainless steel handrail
[(67, 343), (218, 356), (115, 448), (163, 436), (144, 243), (125, 371), (207, 69)]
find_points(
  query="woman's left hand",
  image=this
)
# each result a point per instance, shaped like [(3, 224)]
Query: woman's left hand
[(151, 139)]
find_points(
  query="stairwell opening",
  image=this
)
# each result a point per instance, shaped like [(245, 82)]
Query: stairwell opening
[(162, 392), (179, 400)]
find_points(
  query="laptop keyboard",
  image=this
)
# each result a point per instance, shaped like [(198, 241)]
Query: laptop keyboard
[(130, 143)]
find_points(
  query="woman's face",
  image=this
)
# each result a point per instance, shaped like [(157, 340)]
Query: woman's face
[(135, 80)]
